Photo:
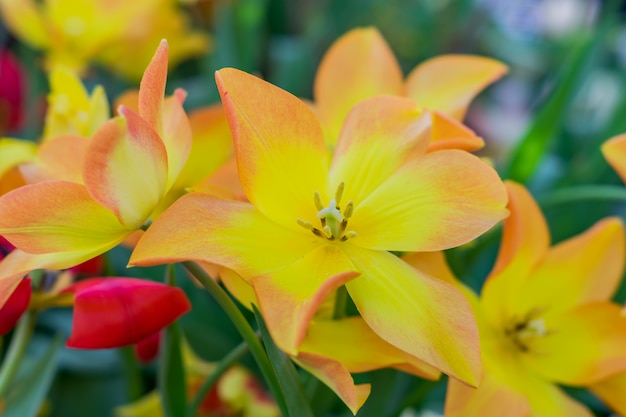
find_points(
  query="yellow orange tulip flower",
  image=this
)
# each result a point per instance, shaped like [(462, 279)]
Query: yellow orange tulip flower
[(360, 65), (544, 317), (130, 164), (310, 228), (75, 33)]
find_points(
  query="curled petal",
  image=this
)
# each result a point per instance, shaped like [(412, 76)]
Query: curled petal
[(123, 311), (233, 234), (336, 377), (289, 297), (612, 391), (279, 146), (15, 306), (126, 168), (392, 297), (337, 339), (57, 216), (448, 133), (152, 88), (359, 65), (449, 83), (176, 137), (438, 201), (379, 135)]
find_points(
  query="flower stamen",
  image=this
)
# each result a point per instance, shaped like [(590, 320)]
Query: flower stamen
[(333, 222)]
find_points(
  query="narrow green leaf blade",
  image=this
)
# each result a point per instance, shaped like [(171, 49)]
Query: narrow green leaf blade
[(288, 378), (26, 398)]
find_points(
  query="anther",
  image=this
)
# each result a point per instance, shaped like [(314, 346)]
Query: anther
[(350, 234), (305, 224), (318, 201), (328, 232), (347, 213), (339, 192)]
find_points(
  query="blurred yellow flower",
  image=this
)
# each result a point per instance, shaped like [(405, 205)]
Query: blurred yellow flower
[(74, 33)]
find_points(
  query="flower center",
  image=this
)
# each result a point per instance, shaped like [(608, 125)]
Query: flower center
[(333, 221), (522, 332)]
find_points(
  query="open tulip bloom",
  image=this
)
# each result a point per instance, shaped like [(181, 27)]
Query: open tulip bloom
[(310, 228), (544, 317)]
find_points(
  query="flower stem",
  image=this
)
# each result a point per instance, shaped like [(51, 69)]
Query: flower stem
[(208, 383), (21, 336), (244, 328), (583, 193), (131, 373)]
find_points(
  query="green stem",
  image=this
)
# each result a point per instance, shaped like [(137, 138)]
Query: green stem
[(583, 193), (21, 336), (222, 367), (242, 325), (131, 373), (341, 300)]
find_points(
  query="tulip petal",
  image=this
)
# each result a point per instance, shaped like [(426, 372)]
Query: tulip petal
[(19, 263), (233, 234), (126, 168), (52, 162), (392, 297), (57, 216), (433, 264), (279, 146), (582, 345), (337, 378), (612, 391), (123, 311), (449, 83), (290, 296), (212, 146), (337, 339), (379, 135), (15, 306), (525, 241), (448, 133), (176, 136), (490, 399), (441, 200), (583, 269), (152, 88), (614, 150), (359, 65)]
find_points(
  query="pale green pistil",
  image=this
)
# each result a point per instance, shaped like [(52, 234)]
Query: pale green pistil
[(333, 222)]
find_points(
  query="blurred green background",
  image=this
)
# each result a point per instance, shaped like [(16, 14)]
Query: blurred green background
[(543, 124)]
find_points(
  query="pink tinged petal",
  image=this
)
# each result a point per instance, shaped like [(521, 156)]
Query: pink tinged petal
[(612, 391), (279, 147), (582, 269), (212, 145), (123, 311), (490, 399), (448, 133), (15, 306), (337, 339), (152, 89), (57, 216), (336, 377), (393, 297), (614, 150), (147, 349), (359, 65), (289, 297), (582, 345), (441, 200), (379, 135), (449, 83), (126, 168), (18, 263), (239, 288), (52, 162), (176, 137), (525, 241), (432, 263), (233, 234)]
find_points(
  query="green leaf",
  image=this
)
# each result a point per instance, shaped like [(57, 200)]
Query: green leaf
[(171, 374), (288, 378), (25, 399)]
